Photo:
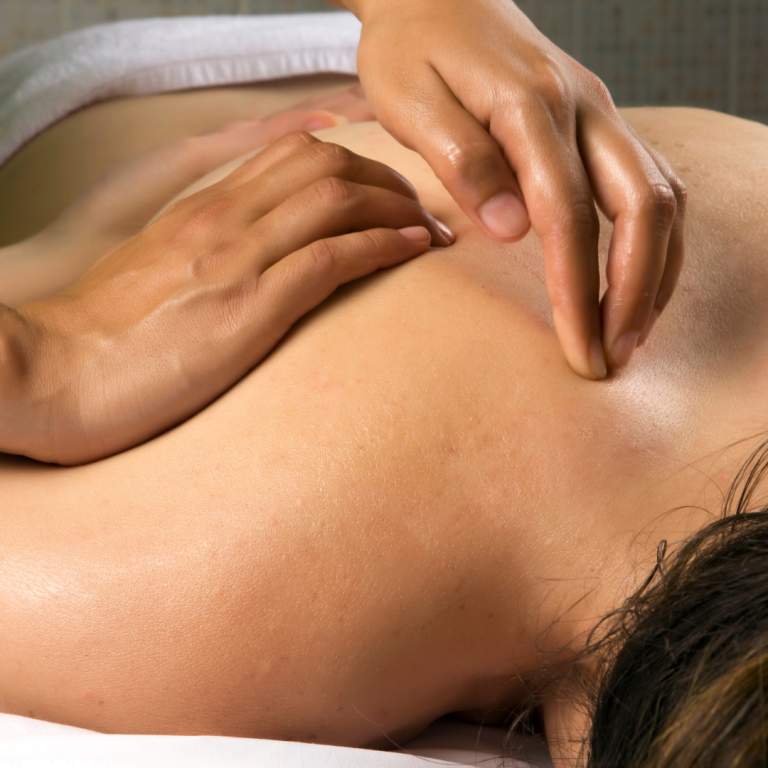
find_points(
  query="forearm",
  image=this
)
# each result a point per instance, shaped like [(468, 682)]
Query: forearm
[(361, 7), (45, 264), (16, 375), (42, 376), (366, 8), (15, 271)]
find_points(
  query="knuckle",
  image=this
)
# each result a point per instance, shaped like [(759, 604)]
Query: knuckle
[(580, 217), (207, 263), (473, 161), (597, 89), (680, 191), (333, 191), (322, 255), (210, 210), (375, 240), (658, 203), (198, 215), (332, 156), (297, 140), (552, 90)]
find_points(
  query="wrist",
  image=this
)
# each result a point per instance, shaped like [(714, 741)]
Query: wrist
[(366, 9), (17, 420), (38, 411), (347, 5)]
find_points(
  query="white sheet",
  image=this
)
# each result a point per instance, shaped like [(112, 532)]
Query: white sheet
[(27, 743), (44, 83)]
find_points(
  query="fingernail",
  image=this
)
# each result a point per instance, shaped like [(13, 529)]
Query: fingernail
[(649, 326), (332, 121), (417, 234), (505, 215), (318, 124), (623, 348), (445, 232), (597, 364)]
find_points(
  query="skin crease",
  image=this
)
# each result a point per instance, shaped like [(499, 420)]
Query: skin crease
[(411, 507)]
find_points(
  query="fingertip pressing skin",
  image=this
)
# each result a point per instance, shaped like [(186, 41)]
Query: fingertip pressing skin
[(505, 216), (623, 349), (640, 194), (597, 365), (585, 357), (476, 89)]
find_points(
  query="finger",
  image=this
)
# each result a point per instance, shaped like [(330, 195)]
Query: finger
[(331, 101), (563, 215), (330, 208), (635, 195), (196, 156), (146, 183), (285, 147), (313, 162), (463, 155), (272, 127), (331, 165), (352, 104), (357, 112), (676, 247), (303, 280)]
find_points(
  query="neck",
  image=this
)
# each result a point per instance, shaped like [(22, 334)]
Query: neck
[(587, 534)]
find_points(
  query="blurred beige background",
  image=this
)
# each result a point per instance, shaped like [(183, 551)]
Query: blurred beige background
[(708, 53)]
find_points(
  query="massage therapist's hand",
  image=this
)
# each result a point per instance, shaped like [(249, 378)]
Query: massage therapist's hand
[(516, 130), (175, 315)]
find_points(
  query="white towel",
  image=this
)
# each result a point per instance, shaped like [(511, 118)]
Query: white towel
[(27, 743), (42, 84)]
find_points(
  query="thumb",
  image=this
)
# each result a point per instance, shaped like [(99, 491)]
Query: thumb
[(460, 151)]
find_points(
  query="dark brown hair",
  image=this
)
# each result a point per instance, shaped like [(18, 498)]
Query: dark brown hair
[(684, 675)]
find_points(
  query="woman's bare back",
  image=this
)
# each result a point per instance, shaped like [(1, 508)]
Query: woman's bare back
[(365, 533)]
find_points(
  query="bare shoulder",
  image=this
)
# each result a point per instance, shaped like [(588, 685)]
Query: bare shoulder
[(723, 160), (702, 144)]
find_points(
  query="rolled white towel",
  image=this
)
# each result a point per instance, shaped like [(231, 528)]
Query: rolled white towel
[(42, 84)]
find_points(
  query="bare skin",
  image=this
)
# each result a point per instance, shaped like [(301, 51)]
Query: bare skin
[(134, 126), (519, 131), (232, 268), (412, 507)]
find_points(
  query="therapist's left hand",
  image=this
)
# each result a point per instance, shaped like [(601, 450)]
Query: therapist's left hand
[(518, 131)]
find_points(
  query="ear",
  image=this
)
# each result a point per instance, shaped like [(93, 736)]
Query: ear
[(567, 724)]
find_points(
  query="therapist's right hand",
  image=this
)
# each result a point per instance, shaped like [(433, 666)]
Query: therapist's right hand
[(174, 316)]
